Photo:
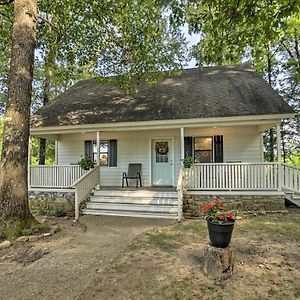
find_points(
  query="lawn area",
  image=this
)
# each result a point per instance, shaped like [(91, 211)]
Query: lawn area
[(164, 263)]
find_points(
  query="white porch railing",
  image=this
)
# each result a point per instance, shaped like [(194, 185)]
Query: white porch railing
[(83, 187), (232, 176), (57, 176), (180, 188), (291, 177)]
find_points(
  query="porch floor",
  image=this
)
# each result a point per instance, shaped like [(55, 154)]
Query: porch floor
[(108, 188), (130, 188)]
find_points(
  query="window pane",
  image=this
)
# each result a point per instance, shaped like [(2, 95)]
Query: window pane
[(103, 146), (203, 143), (203, 156), (161, 151), (103, 159)]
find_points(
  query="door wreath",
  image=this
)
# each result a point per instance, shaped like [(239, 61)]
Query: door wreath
[(162, 148)]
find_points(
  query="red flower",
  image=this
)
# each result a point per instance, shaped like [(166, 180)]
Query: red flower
[(230, 215), (209, 205), (221, 217), (217, 202)]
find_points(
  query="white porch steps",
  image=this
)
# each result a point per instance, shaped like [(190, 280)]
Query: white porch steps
[(139, 203)]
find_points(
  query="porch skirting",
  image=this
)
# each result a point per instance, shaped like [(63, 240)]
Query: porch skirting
[(250, 203), (47, 201)]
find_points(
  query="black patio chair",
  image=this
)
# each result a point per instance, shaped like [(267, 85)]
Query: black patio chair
[(134, 172)]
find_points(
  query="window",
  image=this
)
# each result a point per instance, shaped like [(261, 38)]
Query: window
[(205, 149), (107, 153)]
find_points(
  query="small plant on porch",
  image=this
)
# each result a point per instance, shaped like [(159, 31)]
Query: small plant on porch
[(188, 161), (215, 213), (86, 163)]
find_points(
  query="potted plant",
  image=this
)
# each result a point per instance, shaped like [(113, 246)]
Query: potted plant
[(188, 161), (86, 163), (220, 223)]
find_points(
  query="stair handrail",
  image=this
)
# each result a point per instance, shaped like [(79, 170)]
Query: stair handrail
[(83, 187), (291, 177), (180, 186)]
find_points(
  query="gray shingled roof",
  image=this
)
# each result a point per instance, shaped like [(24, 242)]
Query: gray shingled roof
[(222, 91)]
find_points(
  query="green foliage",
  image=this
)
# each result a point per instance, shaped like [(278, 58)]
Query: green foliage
[(215, 213), (26, 232), (58, 212), (264, 33), (50, 152), (86, 163), (36, 229), (188, 161)]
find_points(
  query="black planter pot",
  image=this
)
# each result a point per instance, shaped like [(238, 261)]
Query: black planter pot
[(220, 234)]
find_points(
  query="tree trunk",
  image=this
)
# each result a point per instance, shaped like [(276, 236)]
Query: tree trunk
[(42, 149), (218, 262), (14, 207)]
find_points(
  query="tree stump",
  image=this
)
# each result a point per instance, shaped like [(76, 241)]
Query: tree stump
[(218, 262)]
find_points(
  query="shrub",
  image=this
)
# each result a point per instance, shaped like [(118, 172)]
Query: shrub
[(86, 163)]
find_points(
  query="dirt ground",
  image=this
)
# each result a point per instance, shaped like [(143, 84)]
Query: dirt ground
[(62, 266), (127, 258)]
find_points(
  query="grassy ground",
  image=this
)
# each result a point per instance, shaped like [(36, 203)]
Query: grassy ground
[(165, 263)]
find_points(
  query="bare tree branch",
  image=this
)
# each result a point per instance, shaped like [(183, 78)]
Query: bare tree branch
[(48, 22), (287, 49)]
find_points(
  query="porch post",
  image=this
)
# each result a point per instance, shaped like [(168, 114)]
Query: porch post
[(278, 139), (182, 144), (56, 152), (261, 146), (98, 157), (29, 161), (98, 148)]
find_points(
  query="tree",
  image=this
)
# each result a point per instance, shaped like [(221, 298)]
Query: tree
[(88, 37), (14, 207), (262, 32)]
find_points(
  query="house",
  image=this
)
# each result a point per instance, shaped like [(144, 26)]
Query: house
[(215, 114)]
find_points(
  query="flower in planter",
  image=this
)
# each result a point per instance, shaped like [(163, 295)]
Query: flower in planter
[(215, 213)]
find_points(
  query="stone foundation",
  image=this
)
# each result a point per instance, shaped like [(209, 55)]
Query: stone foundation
[(242, 203), (47, 202)]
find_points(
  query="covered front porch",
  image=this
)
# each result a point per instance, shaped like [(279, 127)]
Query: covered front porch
[(235, 155), (225, 179)]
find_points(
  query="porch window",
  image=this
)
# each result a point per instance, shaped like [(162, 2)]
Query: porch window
[(108, 152), (205, 149)]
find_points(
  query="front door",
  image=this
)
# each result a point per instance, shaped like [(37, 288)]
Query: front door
[(162, 162)]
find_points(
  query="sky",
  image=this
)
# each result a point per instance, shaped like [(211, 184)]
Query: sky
[(192, 39)]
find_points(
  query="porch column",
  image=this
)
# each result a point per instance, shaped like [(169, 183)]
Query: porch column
[(98, 148), (182, 144), (29, 161), (98, 157), (261, 146), (56, 152), (278, 140)]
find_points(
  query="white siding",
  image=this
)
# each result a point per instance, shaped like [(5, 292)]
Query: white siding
[(240, 144), (133, 147)]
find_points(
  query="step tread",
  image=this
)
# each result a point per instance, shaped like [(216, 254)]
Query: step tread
[(131, 207), (128, 214), (144, 201), (143, 194)]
